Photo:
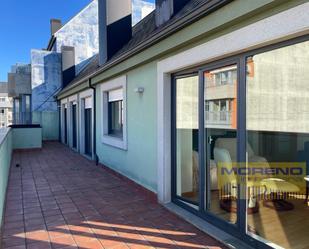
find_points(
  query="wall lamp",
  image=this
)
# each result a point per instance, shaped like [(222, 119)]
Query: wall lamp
[(139, 90)]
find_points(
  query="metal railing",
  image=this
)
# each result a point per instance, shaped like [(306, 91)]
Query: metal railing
[(219, 117), (22, 118)]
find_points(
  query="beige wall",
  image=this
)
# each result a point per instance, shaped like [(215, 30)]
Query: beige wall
[(278, 90)]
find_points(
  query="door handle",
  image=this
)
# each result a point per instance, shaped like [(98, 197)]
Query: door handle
[(210, 139)]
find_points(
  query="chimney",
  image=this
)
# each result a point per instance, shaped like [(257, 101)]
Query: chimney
[(68, 64), (115, 27), (166, 9), (55, 25)]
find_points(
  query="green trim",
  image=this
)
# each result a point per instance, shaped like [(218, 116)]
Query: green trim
[(78, 88)]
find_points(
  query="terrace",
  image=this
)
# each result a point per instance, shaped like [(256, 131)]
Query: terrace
[(56, 198)]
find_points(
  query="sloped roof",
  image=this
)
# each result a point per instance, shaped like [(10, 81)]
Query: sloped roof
[(140, 32), (143, 31)]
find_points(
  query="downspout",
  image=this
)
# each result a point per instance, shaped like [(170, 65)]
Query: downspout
[(59, 121), (94, 123)]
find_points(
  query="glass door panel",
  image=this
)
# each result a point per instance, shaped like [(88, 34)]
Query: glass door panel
[(220, 111), (74, 125), (88, 131), (277, 85), (65, 125), (186, 144)]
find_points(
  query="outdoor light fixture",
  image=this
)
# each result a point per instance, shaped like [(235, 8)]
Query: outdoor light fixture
[(139, 90)]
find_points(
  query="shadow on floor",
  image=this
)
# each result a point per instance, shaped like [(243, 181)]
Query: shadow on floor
[(58, 199)]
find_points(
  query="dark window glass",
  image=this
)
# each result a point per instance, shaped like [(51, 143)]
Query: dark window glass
[(115, 120), (74, 126), (88, 131), (65, 126)]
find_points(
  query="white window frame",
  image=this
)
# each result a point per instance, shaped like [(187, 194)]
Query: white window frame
[(118, 142)]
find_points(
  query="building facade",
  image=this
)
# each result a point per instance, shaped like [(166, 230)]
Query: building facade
[(19, 88), (6, 106), (194, 98), (71, 48)]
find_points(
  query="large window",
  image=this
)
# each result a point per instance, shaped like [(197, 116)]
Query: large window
[(240, 144), (278, 138)]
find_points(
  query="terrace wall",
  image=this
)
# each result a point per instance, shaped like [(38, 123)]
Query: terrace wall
[(6, 147)]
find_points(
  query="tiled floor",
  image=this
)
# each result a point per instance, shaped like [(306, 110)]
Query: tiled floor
[(58, 199)]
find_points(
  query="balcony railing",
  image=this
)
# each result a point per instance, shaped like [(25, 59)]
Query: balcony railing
[(22, 118), (219, 117)]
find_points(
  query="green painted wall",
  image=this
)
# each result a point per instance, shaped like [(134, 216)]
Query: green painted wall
[(21, 138), (27, 138), (49, 122), (139, 161), (5, 161)]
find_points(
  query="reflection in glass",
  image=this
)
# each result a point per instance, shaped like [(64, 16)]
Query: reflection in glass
[(115, 124), (278, 145), (187, 169), (221, 125)]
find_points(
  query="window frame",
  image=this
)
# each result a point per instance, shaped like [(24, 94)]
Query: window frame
[(106, 137), (111, 131), (238, 230)]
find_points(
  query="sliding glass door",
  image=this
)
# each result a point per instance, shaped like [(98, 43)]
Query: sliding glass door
[(240, 144), (278, 145), (220, 131), (205, 140), (186, 135)]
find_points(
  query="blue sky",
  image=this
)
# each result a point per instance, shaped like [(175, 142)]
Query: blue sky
[(25, 25)]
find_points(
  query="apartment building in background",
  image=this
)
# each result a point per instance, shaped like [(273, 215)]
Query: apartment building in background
[(19, 89), (70, 49), (6, 106), (183, 102)]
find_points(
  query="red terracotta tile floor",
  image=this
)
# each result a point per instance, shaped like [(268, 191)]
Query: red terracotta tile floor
[(59, 199)]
